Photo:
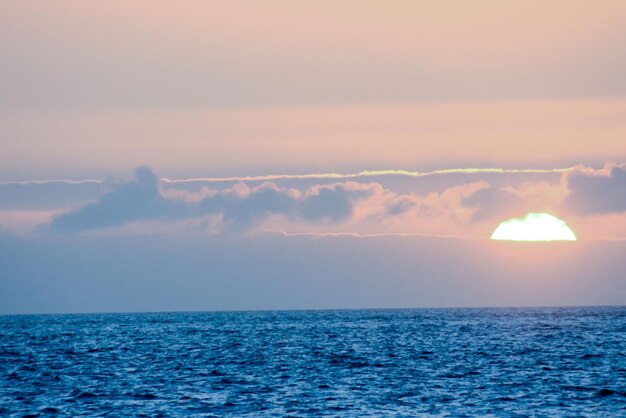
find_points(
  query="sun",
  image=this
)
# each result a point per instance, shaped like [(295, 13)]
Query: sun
[(534, 227)]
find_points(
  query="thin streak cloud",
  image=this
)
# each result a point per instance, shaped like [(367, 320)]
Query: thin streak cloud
[(371, 173), (317, 176)]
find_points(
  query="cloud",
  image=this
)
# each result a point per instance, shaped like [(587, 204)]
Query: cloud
[(240, 206), (491, 202), (61, 194), (243, 206), (597, 191), (401, 205), (137, 200), (334, 202), (348, 206)]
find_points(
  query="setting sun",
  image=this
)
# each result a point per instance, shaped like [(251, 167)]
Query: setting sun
[(534, 227)]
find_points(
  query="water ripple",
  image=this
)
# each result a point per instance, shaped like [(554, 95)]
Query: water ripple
[(439, 362)]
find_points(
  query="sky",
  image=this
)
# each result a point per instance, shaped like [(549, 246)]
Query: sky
[(200, 155)]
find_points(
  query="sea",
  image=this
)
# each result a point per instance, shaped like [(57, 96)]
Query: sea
[(518, 362)]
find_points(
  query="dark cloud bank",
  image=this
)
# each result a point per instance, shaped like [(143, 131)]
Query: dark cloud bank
[(590, 192), (142, 199)]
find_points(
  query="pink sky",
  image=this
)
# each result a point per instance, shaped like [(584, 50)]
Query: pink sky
[(224, 109), (237, 141)]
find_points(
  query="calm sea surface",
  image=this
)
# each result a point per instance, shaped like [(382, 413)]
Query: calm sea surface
[(440, 362)]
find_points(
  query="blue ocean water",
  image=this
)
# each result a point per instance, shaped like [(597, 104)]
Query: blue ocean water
[(429, 362)]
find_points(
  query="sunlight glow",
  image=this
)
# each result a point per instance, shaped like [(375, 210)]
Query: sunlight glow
[(534, 227)]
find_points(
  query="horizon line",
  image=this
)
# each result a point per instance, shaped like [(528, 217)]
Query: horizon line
[(252, 310)]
